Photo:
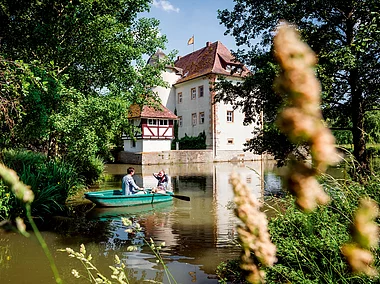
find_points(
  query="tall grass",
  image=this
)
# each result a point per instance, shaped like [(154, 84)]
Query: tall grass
[(52, 182), (308, 245)]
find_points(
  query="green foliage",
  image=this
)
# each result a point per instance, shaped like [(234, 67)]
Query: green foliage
[(372, 127), (52, 182), (309, 244), (345, 36), (5, 202), (192, 143), (70, 71), (95, 43), (343, 136), (25, 196), (230, 272)]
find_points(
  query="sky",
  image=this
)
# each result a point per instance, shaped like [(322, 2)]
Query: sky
[(181, 19)]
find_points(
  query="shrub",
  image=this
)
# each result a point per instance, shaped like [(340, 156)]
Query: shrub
[(52, 182), (191, 142), (90, 168)]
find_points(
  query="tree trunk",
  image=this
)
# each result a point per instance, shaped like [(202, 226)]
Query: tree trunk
[(357, 113), (357, 110)]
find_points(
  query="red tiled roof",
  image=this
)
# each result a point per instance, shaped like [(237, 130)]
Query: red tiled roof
[(150, 112), (212, 59)]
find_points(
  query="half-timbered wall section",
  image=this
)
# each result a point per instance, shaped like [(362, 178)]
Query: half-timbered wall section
[(157, 128)]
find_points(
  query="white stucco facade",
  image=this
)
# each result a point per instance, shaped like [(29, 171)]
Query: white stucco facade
[(167, 95), (194, 110), (144, 145), (188, 95), (222, 124)]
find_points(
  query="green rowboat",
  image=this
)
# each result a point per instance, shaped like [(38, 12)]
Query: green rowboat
[(114, 198)]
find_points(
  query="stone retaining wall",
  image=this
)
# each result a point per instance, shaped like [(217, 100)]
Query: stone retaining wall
[(184, 157)]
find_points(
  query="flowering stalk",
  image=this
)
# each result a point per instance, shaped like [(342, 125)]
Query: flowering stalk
[(254, 236), (365, 236), (302, 120)]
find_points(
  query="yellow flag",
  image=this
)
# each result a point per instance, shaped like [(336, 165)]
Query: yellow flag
[(190, 41)]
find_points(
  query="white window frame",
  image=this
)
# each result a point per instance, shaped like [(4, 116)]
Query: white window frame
[(201, 118), (201, 91), (193, 119), (180, 97), (230, 116), (164, 122), (152, 121), (193, 93)]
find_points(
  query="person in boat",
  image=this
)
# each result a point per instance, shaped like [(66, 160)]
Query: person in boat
[(163, 182), (128, 185)]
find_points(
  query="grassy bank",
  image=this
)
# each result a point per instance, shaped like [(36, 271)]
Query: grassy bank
[(308, 245)]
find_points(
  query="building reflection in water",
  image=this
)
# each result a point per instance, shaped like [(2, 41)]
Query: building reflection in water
[(202, 231)]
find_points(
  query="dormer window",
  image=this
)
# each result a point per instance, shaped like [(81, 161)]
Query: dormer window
[(234, 68)]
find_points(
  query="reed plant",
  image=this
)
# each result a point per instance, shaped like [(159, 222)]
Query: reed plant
[(25, 195), (119, 273), (52, 182)]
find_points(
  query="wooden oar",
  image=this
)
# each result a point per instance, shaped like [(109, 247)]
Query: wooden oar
[(182, 197)]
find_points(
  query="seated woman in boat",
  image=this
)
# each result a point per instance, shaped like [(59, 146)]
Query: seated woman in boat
[(163, 182), (128, 185)]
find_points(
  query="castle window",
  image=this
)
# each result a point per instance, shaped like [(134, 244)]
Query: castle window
[(201, 117), (179, 121), (200, 91), (194, 119), (230, 141), (230, 116), (193, 93), (180, 97)]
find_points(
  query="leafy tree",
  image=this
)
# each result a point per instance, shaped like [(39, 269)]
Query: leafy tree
[(70, 70), (99, 44), (345, 36)]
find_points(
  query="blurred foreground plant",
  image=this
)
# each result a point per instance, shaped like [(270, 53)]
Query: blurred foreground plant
[(135, 228), (25, 194), (301, 120), (258, 250), (118, 270), (365, 236)]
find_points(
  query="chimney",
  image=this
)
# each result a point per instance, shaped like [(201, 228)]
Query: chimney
[(208, 43), (179, 57)]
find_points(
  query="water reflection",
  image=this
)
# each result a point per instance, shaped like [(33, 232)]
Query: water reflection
[(198, 234), (201, 232)]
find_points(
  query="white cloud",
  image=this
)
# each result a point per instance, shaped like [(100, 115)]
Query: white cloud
[(165, 5)]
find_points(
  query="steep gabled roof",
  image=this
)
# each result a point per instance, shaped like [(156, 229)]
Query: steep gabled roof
[(150, 112), (214, 58)]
